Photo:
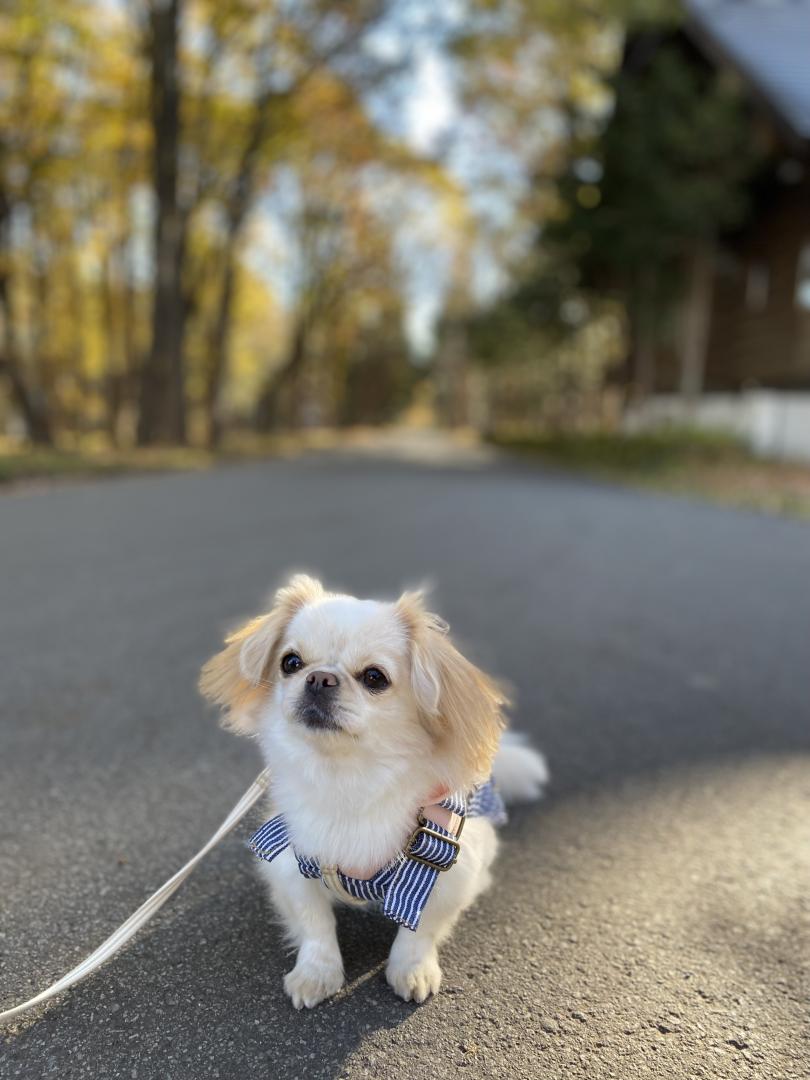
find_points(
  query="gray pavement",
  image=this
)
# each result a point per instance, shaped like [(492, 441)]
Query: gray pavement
[(651, 918)]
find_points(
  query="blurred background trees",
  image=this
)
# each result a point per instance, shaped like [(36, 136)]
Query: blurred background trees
[(231, 215)]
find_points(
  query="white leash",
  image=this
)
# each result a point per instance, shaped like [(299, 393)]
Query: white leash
[(117, 940)]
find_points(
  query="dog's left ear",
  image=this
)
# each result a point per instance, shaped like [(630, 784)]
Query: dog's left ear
[(459, 704), (237, 679)]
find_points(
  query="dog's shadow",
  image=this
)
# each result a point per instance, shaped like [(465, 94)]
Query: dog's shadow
[(200, 993)]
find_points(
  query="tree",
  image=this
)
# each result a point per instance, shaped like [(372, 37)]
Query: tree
[(640, 206), (162, 397), (29, 401), (143, 149), (343, 289), (43, 53), (283, 53)]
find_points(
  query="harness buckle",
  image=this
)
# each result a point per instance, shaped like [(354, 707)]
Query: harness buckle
[(425, 829)]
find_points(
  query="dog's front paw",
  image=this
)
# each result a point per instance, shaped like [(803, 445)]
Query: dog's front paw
[(310, 982), (415, 981)]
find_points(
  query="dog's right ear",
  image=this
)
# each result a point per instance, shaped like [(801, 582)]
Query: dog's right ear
[(238, 678), (459, 705)]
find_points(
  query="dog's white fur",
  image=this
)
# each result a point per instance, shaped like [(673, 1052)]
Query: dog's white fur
[(350, 794)]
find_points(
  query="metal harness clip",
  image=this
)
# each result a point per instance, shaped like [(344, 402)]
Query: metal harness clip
[(424, 828)]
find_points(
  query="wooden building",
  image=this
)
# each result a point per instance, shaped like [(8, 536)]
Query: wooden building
[(746, 321)]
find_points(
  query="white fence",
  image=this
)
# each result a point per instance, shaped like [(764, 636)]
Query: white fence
[(773, 423)]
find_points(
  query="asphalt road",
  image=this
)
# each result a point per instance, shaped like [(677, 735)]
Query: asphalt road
[(651, 918)]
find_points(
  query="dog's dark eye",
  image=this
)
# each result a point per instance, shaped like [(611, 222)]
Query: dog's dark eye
[(291, 662), (374, 679)]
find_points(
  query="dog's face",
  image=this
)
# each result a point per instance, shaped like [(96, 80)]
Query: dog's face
[(344, 675), (343, 671)]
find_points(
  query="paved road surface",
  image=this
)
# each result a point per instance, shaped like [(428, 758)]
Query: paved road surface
[(650, 918)]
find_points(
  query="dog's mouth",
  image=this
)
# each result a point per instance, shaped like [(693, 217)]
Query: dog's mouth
[(317, 718)]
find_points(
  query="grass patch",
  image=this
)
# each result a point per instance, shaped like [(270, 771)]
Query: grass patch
[(47, 464), (646, 454), (24, 465), (710, 465)]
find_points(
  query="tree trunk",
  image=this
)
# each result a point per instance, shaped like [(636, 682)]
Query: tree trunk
[(162, 397), (220, 337), (267, 409), (218, 352), (697, 322), (115, 361), (241, 197), (451, 375), (644, 336), (31, 405)]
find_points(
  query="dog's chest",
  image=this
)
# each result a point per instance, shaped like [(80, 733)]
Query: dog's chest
[(347, 833)]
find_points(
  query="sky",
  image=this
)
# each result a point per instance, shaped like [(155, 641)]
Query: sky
[(424, 109), (421, 106)]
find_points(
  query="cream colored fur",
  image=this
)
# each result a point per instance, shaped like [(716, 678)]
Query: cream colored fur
[(350, 793)]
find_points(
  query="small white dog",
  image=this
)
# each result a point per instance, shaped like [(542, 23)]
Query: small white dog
[(382, 739)]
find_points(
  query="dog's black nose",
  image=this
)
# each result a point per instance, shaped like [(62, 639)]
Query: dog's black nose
[(321, 681)]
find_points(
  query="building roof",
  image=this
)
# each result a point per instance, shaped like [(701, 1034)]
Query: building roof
[(768, 41)]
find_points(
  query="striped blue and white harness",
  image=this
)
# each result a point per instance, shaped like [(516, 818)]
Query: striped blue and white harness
[(403, 886)]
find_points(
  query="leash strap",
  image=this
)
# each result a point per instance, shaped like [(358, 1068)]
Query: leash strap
[(116, 941)]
